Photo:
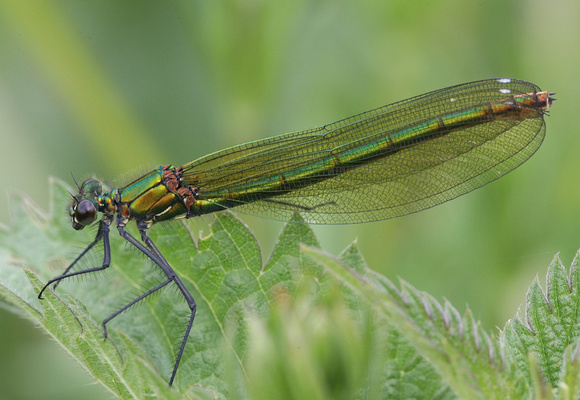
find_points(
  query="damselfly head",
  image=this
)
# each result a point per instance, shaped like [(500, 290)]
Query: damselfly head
[(85, 206)]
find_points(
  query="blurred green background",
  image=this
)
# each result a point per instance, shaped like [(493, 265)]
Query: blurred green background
[(113, 89)]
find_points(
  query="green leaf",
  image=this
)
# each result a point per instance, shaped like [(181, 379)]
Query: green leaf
[(459, 352), (549, 326)]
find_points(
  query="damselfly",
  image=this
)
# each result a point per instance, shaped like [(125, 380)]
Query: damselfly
[(388, 162)]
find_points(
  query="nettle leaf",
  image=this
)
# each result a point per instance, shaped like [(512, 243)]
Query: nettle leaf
[(549, 329), (453, 355), (404, 372)]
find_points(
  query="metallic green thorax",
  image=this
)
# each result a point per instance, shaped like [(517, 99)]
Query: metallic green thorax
[(155, 197)]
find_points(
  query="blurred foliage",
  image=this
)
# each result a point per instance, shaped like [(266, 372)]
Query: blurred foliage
[(113, 89)]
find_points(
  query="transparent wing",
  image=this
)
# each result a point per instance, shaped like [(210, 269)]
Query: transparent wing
[(299, 171)]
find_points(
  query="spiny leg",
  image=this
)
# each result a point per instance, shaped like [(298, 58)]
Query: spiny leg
[(188, 297), (151, 251), (125, 307), (102, 234)]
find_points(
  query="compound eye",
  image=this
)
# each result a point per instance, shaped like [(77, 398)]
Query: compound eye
[(85, 213)]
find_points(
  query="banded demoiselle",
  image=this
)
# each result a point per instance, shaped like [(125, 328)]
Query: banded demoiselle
[(388, 162)]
